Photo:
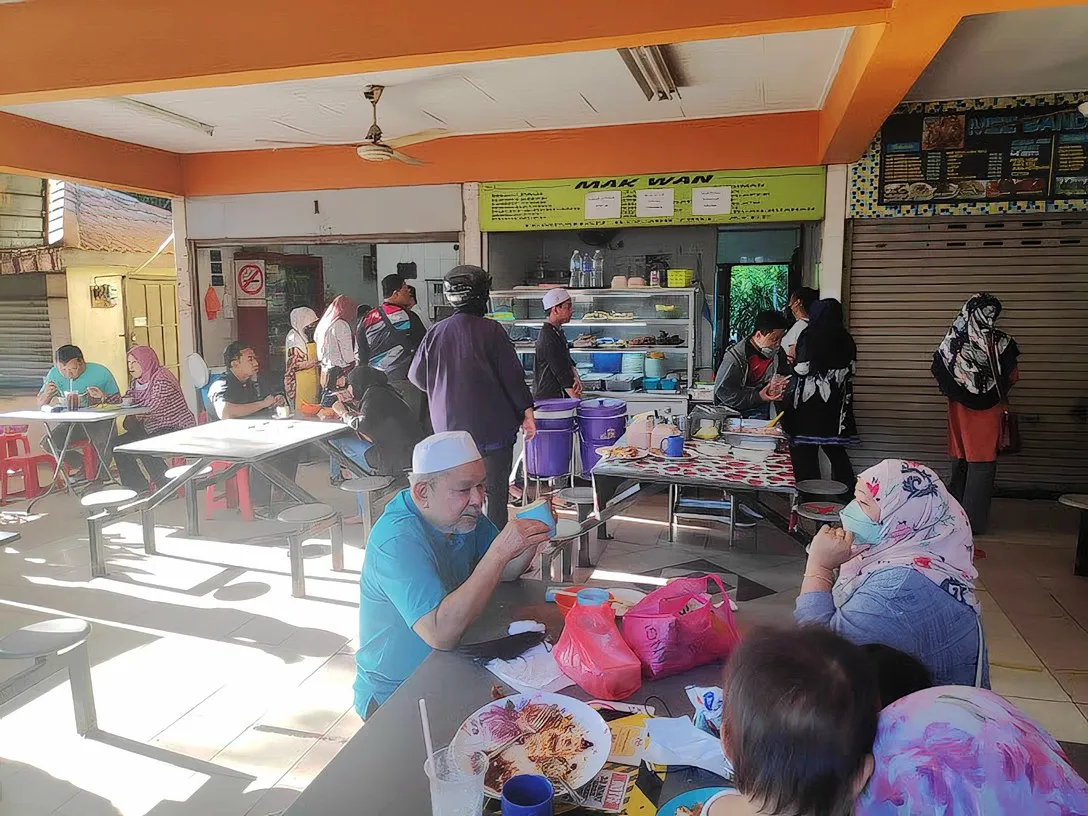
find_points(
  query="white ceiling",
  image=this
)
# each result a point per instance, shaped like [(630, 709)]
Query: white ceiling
[(765, 74), (1014, 53)]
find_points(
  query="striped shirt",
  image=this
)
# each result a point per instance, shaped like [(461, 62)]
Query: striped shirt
[(169, 411)]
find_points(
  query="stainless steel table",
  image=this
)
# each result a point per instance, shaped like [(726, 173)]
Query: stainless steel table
[(380, 770), (251, 443), (84, 417)]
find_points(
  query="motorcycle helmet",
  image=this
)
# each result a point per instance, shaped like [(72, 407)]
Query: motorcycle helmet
[(466, 286)]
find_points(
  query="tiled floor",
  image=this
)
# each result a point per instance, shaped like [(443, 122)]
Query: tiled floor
[(220, 694)]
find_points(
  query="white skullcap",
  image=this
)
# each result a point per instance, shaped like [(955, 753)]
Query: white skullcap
[(443, 451), (554, 297)]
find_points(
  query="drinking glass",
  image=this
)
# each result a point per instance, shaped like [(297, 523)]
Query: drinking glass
[(457, 781)]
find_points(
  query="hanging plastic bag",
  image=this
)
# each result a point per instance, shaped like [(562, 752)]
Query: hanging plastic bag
[(677, 627), (591, 652)]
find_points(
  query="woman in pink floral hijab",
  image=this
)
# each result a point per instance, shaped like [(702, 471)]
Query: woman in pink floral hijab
[(905, 573)]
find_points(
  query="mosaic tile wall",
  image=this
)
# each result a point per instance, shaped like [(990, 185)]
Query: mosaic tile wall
[(865, 173)]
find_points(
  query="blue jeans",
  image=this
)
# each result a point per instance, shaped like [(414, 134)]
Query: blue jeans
[(354, 449)]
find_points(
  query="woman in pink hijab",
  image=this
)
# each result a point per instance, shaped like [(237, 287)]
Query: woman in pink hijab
[(155, 387), (904, 560), (334, 337)]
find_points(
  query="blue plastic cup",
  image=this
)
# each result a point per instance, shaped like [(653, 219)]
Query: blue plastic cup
[(592, 597), (527, 795), (539, 512)]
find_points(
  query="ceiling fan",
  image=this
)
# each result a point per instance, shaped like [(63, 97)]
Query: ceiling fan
[(373, 148)]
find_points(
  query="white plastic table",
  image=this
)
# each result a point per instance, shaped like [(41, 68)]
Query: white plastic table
[(84, 417)]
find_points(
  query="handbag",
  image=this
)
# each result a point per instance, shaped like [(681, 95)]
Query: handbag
[(1008, 437)]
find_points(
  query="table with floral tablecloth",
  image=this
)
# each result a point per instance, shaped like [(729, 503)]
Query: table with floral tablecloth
[(709, 466)]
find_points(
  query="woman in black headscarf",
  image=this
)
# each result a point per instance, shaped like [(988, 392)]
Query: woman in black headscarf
[(383, 419), (819, 403), (975, 366)]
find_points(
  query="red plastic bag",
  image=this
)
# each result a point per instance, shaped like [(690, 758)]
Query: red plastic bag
[(591, 652), (677, 627)]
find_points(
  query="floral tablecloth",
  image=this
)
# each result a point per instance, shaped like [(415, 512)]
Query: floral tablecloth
[(706, 468)]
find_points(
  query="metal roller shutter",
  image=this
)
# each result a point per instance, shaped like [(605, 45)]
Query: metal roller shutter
[(908, 279), (26, 345)]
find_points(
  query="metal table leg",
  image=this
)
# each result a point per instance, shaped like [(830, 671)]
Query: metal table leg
[(1080, 562), (103, 452), (674, 497), (732, 519), (336, 540), (584, 559), (298, 574), (58, 471), (147, 521)]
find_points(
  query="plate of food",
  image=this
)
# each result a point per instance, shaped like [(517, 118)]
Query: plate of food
[(521, 732), (694, 802), (686, 456), (623, 453)]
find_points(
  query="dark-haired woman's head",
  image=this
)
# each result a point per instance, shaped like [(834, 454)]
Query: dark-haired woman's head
[(801, 711), (898, 673)]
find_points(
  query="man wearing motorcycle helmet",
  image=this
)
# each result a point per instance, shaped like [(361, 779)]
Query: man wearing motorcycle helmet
[(474, 381)]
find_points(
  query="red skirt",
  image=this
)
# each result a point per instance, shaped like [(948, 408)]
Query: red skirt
[(973, 435)]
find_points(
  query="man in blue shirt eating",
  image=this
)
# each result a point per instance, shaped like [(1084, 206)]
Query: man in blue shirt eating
[(432, 562)]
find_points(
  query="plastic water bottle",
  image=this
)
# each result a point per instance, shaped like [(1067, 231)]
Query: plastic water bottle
[(598, 269), (576, 270), (587, 270)]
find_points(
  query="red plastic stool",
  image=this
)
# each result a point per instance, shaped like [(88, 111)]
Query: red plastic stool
[(236, 493), (10, 442), (27, 468)]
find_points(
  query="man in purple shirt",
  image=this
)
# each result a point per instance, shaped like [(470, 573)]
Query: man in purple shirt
[(474, 382)]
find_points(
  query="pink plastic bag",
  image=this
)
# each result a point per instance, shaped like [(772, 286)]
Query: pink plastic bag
[(591, 652), (676, 627)]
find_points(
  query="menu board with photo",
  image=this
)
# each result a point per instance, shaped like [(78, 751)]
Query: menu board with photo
[(1015, 154)]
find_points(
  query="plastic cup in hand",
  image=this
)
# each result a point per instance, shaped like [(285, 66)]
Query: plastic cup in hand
[(457, 781), (528, 795)]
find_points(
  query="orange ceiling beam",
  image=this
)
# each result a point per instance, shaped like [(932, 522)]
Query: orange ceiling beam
[(33, 148), (741, 142), (69, 49), (883, 61), (880, 65)]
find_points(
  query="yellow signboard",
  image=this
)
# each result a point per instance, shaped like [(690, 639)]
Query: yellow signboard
[(665, 199)]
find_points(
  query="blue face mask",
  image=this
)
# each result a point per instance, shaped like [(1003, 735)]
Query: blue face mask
[(854, 520)]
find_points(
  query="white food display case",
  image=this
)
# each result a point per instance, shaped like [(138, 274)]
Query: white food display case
[(626, 343)]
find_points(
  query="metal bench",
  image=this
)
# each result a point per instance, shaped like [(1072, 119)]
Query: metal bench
[(364, 489), (53, 645), (582, 498), (567, 530), (98, 507), (310, 519)]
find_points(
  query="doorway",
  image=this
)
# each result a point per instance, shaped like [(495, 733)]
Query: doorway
[(757, 268), (151, 318)]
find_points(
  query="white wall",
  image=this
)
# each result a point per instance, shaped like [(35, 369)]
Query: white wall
[(375, 211), (342, 267)]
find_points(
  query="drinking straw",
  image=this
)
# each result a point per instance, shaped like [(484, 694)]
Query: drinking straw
[(426, 726)]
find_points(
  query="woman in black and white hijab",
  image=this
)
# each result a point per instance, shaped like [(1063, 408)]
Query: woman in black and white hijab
[(975, 366)]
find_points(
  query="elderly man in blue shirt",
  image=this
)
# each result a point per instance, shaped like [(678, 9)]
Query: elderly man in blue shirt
[(432, 562)]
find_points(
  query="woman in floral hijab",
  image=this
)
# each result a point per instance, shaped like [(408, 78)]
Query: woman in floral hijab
[(975, 366), (906, 576)]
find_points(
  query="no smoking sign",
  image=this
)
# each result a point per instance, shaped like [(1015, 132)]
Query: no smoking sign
[(249, 276)]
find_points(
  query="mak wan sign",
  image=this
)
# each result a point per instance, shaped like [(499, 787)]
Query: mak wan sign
[(719, 197)]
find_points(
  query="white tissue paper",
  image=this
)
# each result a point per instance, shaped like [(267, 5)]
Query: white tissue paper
[(677, 742), (535, 670)]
